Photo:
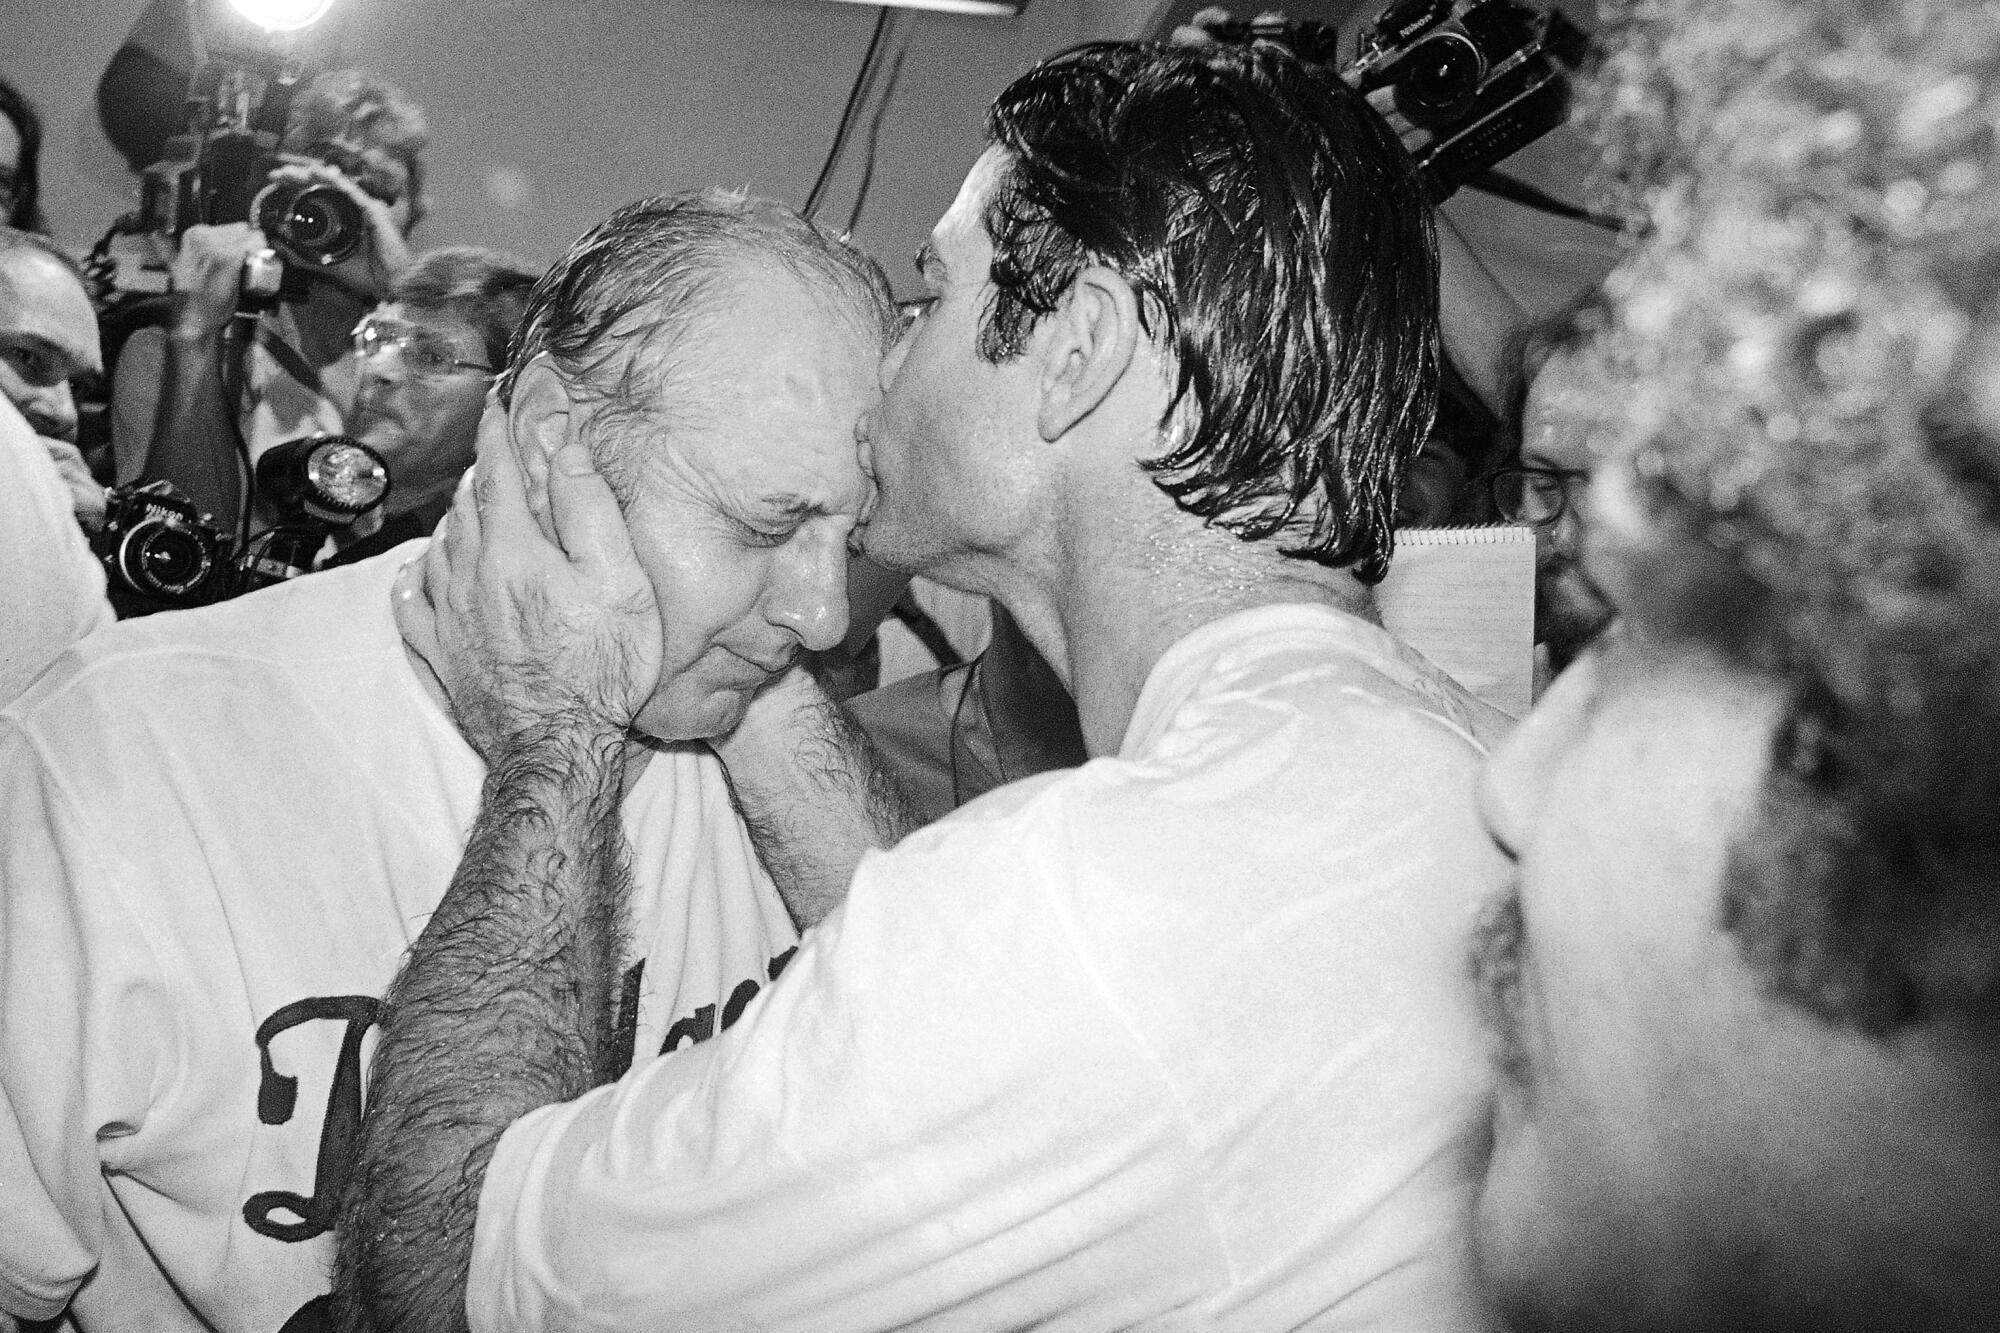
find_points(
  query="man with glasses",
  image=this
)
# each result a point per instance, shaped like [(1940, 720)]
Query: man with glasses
[(221, 381), (1562, 393), (424, 361)]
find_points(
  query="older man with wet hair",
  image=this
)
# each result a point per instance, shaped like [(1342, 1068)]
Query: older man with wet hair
[(1746, 991), (225, 826)]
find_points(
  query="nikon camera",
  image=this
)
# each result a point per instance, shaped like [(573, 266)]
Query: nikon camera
[(1471, 81), (160, 553), (1464, 83)]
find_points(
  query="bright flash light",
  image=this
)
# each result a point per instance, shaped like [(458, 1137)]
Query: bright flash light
[(283, 15)]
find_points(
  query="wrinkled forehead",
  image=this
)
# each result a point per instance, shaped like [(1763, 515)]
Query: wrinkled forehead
[(762, 393), (438, 323), (39, 298)]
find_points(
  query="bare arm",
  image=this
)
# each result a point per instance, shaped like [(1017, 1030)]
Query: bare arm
[(813, 793), (504, 1004), (193, 443)]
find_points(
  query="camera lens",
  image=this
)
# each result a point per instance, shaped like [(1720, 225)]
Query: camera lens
[(1440, 77), (165, 561), (315, 224), (312, 224)]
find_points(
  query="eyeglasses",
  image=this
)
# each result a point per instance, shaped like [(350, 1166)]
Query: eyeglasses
[(1535, 496), (424, 353)]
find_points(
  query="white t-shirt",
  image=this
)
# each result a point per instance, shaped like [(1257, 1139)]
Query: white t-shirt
[(51, 586), (224, 827), (1179, 1039)]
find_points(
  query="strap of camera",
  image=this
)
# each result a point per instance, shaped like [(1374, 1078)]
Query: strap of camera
[(290, 358)]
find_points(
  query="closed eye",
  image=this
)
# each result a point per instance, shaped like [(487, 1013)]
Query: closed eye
[(909, 313), (752, 535)]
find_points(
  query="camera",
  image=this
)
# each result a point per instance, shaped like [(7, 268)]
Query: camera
[(217, 170), (319, 485), (309, 223), (1474, 81), (158, 551)]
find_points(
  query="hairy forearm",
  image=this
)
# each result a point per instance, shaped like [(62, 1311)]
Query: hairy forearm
[(503, 1005), (194, 431), (815, 796)]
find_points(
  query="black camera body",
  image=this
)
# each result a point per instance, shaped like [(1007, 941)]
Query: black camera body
[(1473, 81), (158, 551), (225, 177), (218, 170)]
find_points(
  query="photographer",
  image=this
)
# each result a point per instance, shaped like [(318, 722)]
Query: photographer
[(220, 377), (54, 587), (423, 361)]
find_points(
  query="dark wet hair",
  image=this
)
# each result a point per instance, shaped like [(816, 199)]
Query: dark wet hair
[(1282, 249)]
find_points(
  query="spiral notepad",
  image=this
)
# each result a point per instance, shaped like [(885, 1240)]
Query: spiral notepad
[(1465, 598)]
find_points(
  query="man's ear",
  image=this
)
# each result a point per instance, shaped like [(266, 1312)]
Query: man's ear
[(1087, 345), (539, 422)]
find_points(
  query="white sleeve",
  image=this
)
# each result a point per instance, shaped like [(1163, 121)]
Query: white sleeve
[(934, 1109), (51, 586), (77, 1013)]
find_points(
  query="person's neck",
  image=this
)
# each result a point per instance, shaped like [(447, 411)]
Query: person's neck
[(1124, 592), (1029, 714)]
